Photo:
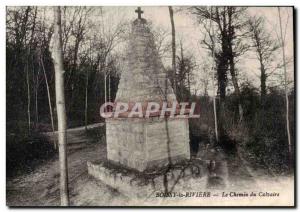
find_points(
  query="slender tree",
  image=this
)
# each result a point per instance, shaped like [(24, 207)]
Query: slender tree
[(173, 48), (265, 47), (23, 40), (60, 105), (185, 67), (49, 96), (217, 45), (282, 40), (212, 32), (235, 47), (86, 90), (86, 99), (28, 96)]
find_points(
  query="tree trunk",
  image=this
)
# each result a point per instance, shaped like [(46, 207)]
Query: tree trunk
[(60, 105), (49, 98), (229, 38), (213, 78), (109, 94), (263, 87), (236, 87), (105, 86), (173, 48), (86, 99), (222, 66), (36, 101), (181, 75), (286, 90), (189, 85), (72, 76), (28, 96)]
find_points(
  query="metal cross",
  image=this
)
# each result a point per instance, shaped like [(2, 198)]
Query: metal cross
[(139, 12)]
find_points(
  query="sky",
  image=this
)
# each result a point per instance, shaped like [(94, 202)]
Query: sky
[(191, 35), (189, 32)]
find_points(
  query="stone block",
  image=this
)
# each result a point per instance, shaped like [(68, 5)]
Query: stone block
[(142, 142)]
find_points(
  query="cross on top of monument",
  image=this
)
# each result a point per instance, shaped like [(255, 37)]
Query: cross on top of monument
[(139, 12)]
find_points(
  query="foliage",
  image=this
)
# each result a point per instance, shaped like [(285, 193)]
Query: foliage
[(263, 133), (86, 55), (25, 151)]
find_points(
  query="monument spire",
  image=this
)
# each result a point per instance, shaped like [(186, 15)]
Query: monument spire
[(139, 12)]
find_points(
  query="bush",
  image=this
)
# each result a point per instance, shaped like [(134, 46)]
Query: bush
[(262, 135), (267, 138), (24, 152)]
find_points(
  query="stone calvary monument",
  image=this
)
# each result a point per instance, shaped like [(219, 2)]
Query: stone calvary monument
[(142, 143)]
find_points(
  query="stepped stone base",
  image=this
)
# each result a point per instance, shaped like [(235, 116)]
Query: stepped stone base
[(136, 184), (146, 143)]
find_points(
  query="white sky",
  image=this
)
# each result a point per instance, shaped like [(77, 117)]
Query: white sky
[(190, 33)]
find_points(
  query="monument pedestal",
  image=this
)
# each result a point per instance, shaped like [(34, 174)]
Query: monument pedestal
[(147, 143)]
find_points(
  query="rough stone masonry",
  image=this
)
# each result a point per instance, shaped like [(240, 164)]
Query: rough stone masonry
[(143, 143)]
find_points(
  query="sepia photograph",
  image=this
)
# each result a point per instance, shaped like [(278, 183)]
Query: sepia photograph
[(150, 106)]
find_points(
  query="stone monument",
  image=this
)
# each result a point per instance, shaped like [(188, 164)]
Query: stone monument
[(145, 143)]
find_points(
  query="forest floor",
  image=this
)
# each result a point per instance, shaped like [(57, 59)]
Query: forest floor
[(41, 186)]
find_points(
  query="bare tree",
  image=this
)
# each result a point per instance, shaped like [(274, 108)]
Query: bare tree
[(37, 79), (212, 32), (204, 77), (185, 67), (282, 40), (235, 47), (173, 48), (162, 43), (110, 37), (265, 48), (28, 97), (74, 30), (23, 39), (86, 90), (229, 43), (57, 56), (215, 42), (204, 14), (49, 96)]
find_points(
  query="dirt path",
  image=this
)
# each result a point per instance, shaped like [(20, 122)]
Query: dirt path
[(40, 188)]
